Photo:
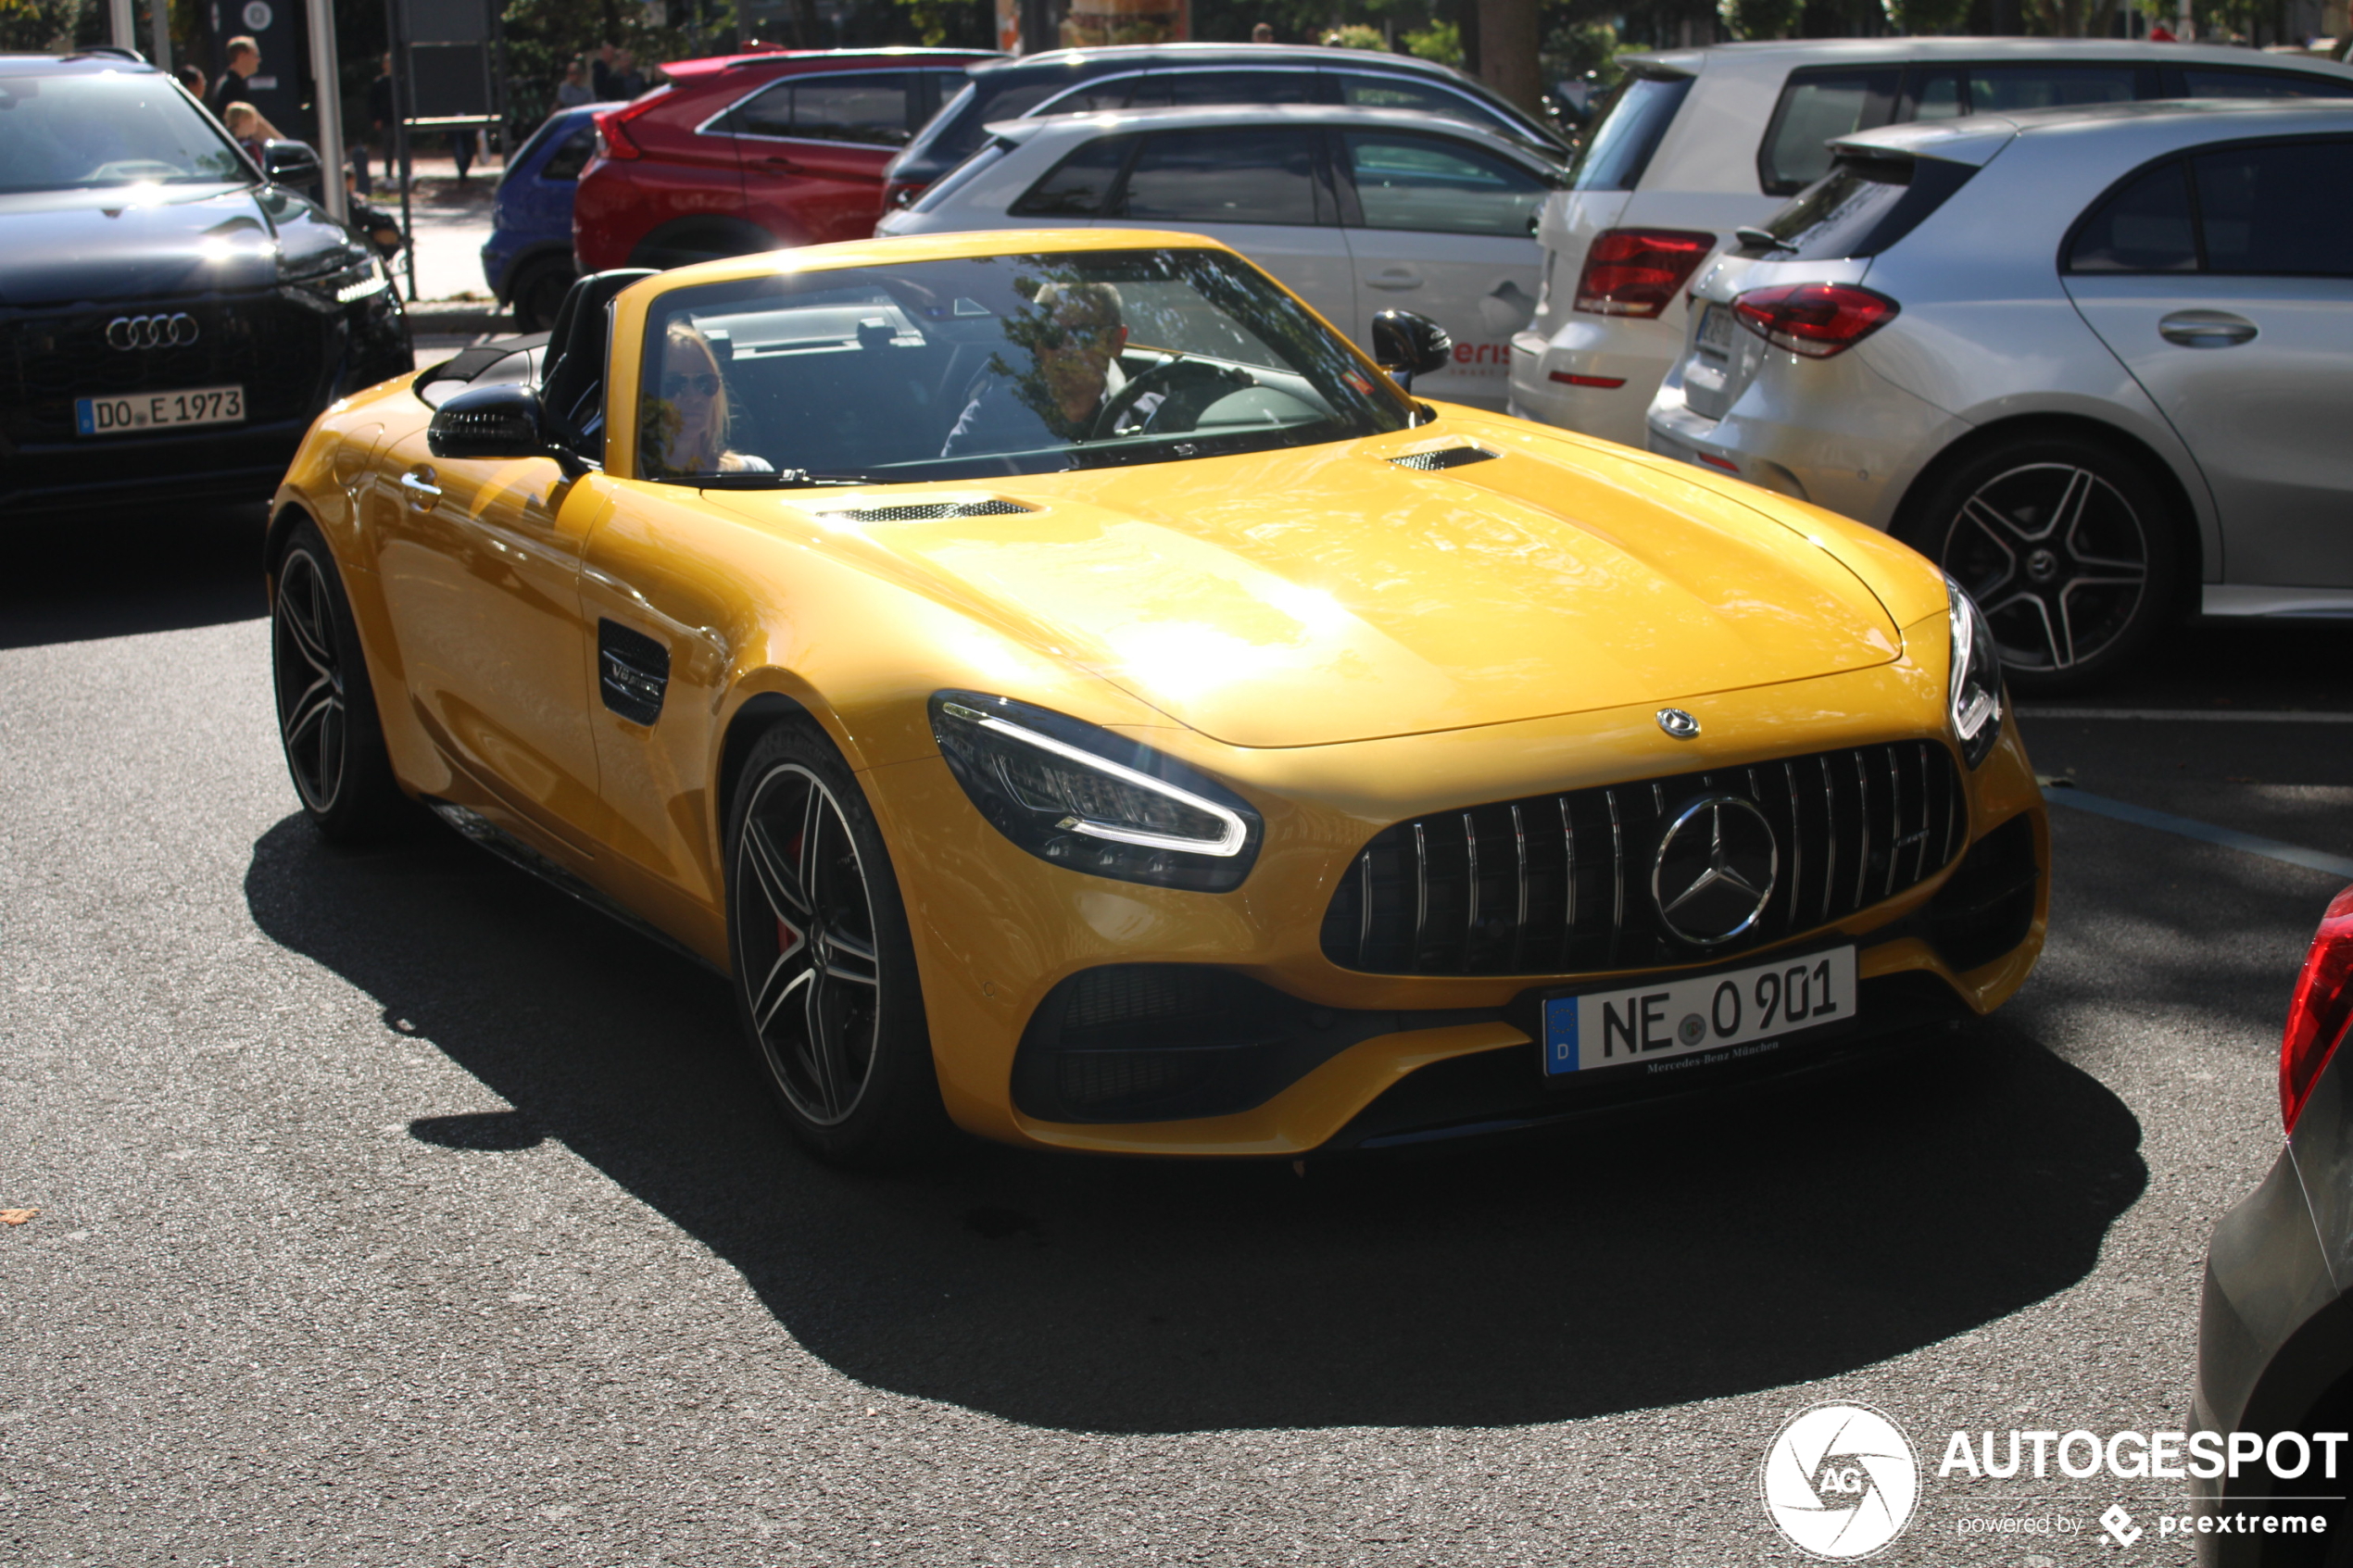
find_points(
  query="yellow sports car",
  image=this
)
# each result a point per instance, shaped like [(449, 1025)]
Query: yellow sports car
[(1077, 697)]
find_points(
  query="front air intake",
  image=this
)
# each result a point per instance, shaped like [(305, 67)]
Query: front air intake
[(929, 511)]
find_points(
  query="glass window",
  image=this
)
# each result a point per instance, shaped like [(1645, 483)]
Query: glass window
[(2143, 228), (2202, 81), (2009, 88), (1188, 89), (1935, 95), (1109, 93), (1814, 107), (871, 110), (1080, 185), (568, 160), (1629, 131), (1253, 176), (62, 132), (1863, 206), (967, 367), (1372, 92), (2277, 210), (1438, 186)]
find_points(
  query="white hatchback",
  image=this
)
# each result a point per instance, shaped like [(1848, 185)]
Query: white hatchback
[(1697, 143), (1355, 210)]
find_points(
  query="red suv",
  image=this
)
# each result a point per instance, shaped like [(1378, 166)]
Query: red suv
[(750, 152)]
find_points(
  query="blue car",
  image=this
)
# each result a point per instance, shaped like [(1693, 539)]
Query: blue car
[(528, 256)]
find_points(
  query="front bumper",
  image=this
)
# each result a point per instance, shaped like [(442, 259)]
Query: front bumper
[(998, 931)]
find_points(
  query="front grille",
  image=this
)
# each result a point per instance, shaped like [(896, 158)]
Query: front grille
[(272, 347), (1561, 884), (930, 511)]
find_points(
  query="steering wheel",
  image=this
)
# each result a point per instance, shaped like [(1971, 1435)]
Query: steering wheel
[(1170, 378)]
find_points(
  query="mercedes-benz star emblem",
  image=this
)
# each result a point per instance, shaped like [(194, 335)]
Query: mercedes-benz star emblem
[(132, 332), (1713, 874), (1677, 723)]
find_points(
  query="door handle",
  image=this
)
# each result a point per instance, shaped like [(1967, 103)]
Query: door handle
[(2206, 329), (1395, 280), (781, 165), (424, 495)]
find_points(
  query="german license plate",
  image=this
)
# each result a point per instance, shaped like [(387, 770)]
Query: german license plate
[(1708, 1013), (1716, 327), (154, 410)]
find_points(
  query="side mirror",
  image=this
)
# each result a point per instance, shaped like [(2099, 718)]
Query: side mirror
[(290, 163), (1407, 345), (497, 422)]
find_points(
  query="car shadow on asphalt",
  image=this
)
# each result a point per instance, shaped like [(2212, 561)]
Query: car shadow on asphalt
[(74, 578), (1707, 1248)]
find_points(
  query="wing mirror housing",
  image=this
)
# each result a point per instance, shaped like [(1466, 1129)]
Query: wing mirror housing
[(494, 424), (1407, 344), (290, 163)]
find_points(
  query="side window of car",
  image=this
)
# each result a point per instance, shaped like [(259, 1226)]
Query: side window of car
[(1189, 88), (2259, 212), (568, 160), (1099, 95), (770, 114), (2206, 81), (1081, 183), (1372, 92), (2008, 89), (868, 110), (1253, 176), (1435, 185), (2144, 227), (1816, 106), (1935, 95)]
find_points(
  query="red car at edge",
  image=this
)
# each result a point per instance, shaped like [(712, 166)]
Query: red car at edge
[(750, 152)]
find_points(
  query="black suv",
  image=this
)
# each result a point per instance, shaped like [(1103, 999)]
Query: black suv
[(1162, 76), (171, 320)]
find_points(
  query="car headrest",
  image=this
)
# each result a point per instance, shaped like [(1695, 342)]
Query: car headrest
[(572, 393)]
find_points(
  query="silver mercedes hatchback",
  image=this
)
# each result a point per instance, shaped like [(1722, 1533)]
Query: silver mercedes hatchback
[(2098, 363)]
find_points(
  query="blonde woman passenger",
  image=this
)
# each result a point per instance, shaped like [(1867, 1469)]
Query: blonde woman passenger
[(686, 417), (245, 124)]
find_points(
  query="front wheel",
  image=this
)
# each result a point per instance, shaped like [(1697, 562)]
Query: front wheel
[(2068, 548), (327, 721), (825, 967)]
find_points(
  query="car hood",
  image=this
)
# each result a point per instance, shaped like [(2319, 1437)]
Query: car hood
[(1307, 597), (143, 243)]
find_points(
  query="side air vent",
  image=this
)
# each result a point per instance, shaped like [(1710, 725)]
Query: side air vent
[(632, 672), (934, 511), (1444, 457)]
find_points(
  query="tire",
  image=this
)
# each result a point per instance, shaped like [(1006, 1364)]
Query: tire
[(540, 294), (824, 969), (2068, 547), (327, 723)]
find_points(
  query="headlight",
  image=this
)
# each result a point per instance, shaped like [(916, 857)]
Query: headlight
[(1975, 698), (1078, 796), (353, 281)]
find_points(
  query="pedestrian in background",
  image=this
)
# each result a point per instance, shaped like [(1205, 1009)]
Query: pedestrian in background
[(193, 79), (245, 58), (1263, 33), (627, 79), (381, 114), (574, 90), (381, 228), (601, 75)]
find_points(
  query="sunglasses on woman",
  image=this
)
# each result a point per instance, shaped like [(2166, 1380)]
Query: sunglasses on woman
[(706, 383)]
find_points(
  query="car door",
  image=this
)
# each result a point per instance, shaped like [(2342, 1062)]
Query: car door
[(1262, 190), (1443, 227), (480, 563), (813, 150), (2226, 287)]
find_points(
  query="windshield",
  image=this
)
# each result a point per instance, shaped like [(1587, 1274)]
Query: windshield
[(136, 127), (991, 366), (1631, 127)]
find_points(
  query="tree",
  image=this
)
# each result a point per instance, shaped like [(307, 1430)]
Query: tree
[(39, 27), (2074, 19), (1919, 16), (1758, 18)]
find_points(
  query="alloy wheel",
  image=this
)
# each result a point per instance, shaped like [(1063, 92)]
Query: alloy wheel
[(311, 716), (807, 956), (2058, 560)]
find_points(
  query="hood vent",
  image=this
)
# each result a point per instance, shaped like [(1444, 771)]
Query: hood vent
[(934, 511), (1444, 457)]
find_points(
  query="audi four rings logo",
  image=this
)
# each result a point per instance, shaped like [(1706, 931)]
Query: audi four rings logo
[(1714, 869), (131, 333)]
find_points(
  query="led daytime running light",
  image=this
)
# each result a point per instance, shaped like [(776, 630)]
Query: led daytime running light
[(1973, 696), (1229, 842)]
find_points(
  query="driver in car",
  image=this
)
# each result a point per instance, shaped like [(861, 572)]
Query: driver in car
[(1073, 334)]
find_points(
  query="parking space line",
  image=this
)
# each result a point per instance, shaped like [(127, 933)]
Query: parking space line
[(2188, 714), (2190, 827)]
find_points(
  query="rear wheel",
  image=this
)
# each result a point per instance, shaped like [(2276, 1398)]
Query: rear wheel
[(2067, 546), (326, 708), (825, 968)]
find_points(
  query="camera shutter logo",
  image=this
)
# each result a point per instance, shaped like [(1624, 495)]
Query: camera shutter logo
[(131, 333), (1840, 1481)]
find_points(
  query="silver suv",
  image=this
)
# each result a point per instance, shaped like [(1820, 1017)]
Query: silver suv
[(2089, 361), (1699, 142)]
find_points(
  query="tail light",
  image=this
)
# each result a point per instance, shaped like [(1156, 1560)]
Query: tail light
[(2318, 1013), (1814, 319), (901, 192), (613, 135), (1638, 272)]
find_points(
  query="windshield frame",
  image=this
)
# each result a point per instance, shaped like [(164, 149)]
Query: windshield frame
[(243, 172), (1368, 404)]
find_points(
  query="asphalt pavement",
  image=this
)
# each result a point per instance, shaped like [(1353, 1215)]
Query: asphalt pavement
[(394, 1209)]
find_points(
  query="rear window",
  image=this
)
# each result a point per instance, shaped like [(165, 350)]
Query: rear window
[(1863, 206), (2245, 210), (1816, 106), (1628, 131)]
